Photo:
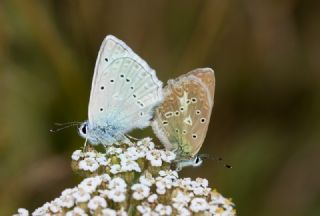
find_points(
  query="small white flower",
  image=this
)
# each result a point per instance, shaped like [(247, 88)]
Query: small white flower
[(184, 212), (169, 174), (168, 156), (97, 202), (145, 144), (199, 191), (141, 191), (101, 159), (154, 156), (22, 212), (88, 164), (163, 209), (90, 184), (115, 168), (109, 212), (117, 195), (152, 198), (129, 165), (113, 150), (105, 178), (122, 212), (199, 204), (69, 191), (90, 154), (213, 209), (76, 212), (144, 210), (202, 181), (76, 155), (181, 198), (134, 153), (81, 196), (66, 201), (54, 206), (43, 210), (117, 183), (147, 180)]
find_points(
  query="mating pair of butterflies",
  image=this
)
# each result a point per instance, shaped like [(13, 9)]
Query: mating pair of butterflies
[(126, 94)]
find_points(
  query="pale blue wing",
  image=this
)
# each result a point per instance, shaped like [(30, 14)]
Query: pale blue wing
[(125, 94)]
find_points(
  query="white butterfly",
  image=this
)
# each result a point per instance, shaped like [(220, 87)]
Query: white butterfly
[(124, 92)]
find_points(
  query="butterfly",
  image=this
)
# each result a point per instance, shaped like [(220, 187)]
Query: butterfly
[(181, 121), (124, 93)]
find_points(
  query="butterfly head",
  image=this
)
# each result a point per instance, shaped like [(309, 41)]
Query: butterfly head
[(83, 130), (197, 161)]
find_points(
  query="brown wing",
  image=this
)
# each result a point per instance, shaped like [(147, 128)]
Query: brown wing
[(181, 122)]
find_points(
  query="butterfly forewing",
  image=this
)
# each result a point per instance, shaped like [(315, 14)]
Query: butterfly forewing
[(181, 122), (124, 88)]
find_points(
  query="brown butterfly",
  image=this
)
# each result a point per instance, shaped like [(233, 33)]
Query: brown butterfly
[(182, 121)]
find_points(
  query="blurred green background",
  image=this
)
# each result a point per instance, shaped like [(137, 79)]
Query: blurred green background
[(267, 106)]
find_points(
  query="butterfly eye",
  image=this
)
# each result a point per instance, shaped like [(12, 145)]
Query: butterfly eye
[(202, 120), (194, 136), (84, 129)]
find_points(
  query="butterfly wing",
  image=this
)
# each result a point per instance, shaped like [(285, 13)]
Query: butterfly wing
[(124, 88), (182, 121)]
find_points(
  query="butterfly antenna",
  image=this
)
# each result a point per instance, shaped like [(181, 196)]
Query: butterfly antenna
[(218, 159), (64, 126)]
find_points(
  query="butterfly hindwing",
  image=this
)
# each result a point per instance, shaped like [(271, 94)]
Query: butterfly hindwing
[(181, 122)]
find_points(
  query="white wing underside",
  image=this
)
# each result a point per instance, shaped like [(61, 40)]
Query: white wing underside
[(124, 89)]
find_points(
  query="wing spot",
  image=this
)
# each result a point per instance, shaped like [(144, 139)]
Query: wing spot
[(188, 101), (177, 113), (194, 100), (181, 109), (165, 122), (101, 109), (131, 87), (140, 103), (198, 112), (184, 131), (121, 75), (194, 136), (177, 130), (106, 59), (203, 120), (102, 87), (112, 81), (128, 80), (134, 95), (141, 113), (168, 114)]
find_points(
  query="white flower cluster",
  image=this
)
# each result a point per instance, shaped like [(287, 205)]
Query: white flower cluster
[(127, 156), (134, 179)]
